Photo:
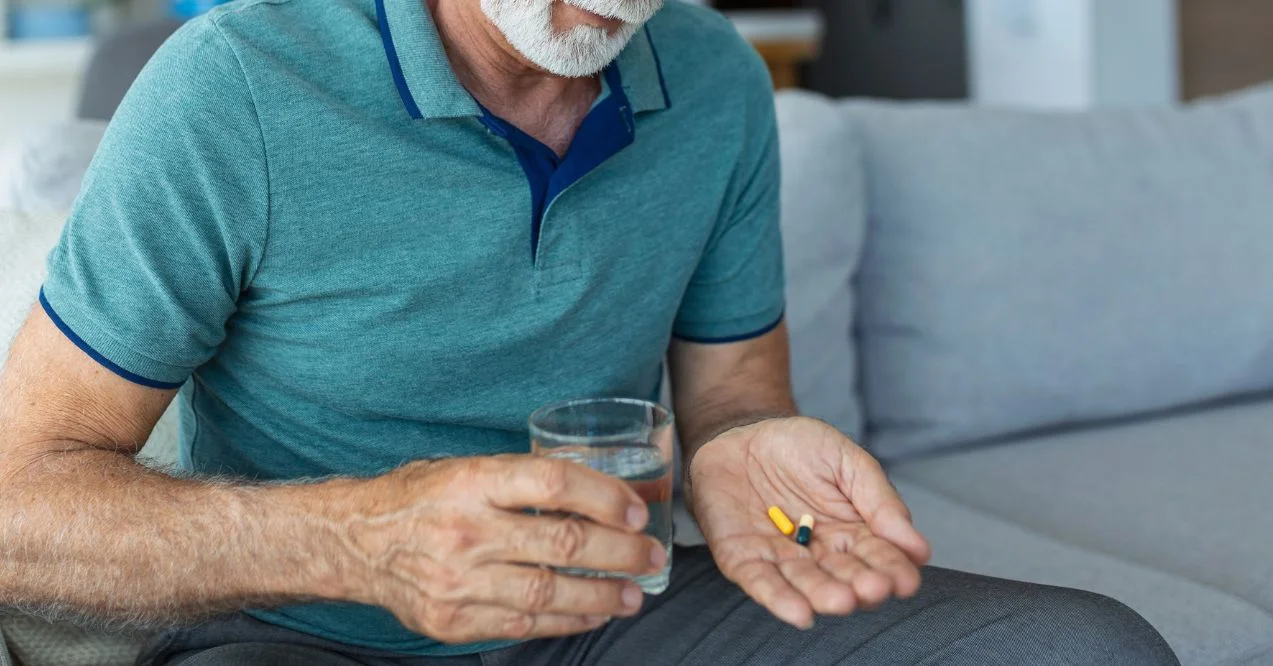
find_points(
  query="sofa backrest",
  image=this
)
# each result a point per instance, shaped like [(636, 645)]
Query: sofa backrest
[(823, 227), (1024, 270)]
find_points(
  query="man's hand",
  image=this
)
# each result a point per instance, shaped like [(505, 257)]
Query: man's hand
[(447, 547), (864, 548)]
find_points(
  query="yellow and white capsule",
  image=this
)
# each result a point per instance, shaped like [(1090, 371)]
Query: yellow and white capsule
[(806, 530), (781, 521)]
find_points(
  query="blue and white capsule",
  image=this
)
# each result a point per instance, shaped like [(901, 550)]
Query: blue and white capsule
[(806, 530)]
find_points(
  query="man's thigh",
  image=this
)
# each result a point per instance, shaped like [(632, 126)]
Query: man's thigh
[(261, 654), (957, 618), (240, 640)]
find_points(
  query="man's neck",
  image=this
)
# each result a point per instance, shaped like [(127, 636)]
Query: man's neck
[(545, 106)]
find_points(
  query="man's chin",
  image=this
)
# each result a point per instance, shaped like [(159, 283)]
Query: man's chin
[(571, 70), (586, 57)]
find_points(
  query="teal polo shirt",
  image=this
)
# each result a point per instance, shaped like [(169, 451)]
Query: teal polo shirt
[(302, 219)]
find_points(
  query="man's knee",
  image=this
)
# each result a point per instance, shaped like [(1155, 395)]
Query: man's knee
[(1067, 626)]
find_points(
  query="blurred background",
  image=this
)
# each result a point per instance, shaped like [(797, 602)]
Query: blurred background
[(1045, 53)]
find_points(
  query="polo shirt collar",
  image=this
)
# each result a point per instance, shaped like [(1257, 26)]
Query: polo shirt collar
[(428, 86), (418, 62), (642, 72)]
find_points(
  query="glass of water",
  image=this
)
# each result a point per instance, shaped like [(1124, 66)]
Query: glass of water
[(628, 439)]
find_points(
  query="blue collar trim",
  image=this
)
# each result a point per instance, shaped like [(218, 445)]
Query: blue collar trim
[(658, 65), (395, 65), (607, 129)]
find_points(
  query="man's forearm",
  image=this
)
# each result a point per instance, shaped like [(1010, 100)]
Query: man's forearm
[(709, 417), (721, 387), (90, 533)]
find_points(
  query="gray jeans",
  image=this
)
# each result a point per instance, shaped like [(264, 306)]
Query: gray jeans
[(957, 618)]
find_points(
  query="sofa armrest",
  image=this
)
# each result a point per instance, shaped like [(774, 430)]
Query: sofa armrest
[(34, 641), (5, 660)]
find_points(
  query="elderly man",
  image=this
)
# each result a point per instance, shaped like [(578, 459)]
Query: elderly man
[(365, 240)]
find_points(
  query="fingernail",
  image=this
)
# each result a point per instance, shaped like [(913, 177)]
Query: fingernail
[(636, 516), (658, 556), (597, 619), (801, 623), (632, 597)]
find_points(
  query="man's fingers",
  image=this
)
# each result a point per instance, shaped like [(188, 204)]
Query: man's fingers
[(763, 582), (571, 542), (470, 623), (893, 522), (519, 482), (542, 591), (869, 586), (879, 504), (825, 594), (888, 559)]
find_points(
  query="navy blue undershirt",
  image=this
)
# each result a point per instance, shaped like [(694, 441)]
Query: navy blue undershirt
[(607, 129)]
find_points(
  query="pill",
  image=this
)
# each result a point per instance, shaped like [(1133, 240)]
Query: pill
[(781, 521), (806, 530)]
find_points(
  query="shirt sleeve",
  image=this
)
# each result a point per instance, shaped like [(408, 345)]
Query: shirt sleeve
[(171, 222), (736, 292)]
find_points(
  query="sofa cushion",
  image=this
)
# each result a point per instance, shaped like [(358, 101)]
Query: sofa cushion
[(41, 172), (1205, 626), (37, 642), (25, 240), (823, 224), (1186, 495), (1026, 269)]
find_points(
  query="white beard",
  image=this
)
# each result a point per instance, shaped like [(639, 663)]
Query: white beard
[(580, 52)]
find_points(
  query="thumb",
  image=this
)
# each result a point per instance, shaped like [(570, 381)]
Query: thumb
[(882, 508)]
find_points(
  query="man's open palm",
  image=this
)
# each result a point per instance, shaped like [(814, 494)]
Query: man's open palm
[(864, 548)]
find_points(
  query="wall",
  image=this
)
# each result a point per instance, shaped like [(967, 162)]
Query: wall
[(29, 103), (1137, 52), (1030, 52), (1073, 54)]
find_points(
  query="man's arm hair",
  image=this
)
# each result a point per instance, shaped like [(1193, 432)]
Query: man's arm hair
[(89, 534)]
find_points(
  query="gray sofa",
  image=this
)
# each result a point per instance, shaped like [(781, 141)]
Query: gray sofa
[(1057, 331), (1061, 340)]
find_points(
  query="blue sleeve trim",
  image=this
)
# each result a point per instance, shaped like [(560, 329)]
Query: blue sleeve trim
[(658, 64), (395, 65), (92, 353), (733, 338)]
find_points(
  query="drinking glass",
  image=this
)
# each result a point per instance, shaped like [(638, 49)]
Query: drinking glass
[(625, 438)]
